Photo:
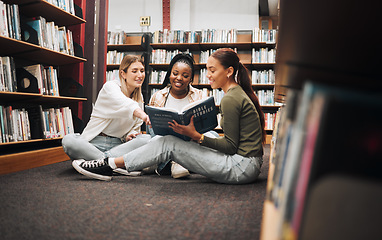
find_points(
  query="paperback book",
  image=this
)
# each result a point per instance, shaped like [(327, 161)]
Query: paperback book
[(204, 112)]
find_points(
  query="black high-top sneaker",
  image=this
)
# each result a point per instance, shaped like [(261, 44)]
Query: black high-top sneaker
[(98, 169)]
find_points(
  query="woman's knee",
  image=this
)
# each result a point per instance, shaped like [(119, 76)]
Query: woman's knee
[(70, 141)]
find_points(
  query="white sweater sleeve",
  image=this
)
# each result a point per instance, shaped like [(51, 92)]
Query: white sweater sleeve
[(112, 103)]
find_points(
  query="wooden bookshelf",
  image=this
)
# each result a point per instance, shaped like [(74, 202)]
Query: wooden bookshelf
[(26, 160), (50, 12), (243, 45), (21, 155)]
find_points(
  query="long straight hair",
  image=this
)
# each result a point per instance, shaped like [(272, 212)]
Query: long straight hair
[(229, 58), (136, 95)]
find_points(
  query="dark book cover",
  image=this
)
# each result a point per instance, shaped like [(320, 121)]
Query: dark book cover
[(204, 112)]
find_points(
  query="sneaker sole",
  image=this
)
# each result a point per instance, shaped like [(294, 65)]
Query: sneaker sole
[(180, 175), (126, 173), (90, 174)]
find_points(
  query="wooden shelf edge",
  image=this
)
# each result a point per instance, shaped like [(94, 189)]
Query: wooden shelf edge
[(26, 160)]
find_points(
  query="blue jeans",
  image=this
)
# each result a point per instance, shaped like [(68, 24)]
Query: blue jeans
[(101, 146), (218, 166)]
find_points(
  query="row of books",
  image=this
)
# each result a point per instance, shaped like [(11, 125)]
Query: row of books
[(66, 5), (175, 36), (116, 38), (35, 78), (263, 55), (8, 81), (204, 36), (157, 77), (266, 97), (57, 122), (115, 57), (204, 55), (36, 30), (258, 77), (270, 119), (163, 56), (218, 94), (34, 123), (305, 134), (112, 75), (14, 124), (10, 25), (46, 77), (203, 76), (264, 35), (218, 36), (48, 35), (211, 36), (263, 77)]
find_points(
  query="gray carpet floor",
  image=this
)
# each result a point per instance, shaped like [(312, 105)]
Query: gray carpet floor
[(55, 202)]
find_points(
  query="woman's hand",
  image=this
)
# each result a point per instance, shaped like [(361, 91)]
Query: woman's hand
[(131, 136), (139, 113), (187, 130)]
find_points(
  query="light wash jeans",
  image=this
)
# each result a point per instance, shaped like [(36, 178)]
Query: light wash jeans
[(101, 146), (220, 167)]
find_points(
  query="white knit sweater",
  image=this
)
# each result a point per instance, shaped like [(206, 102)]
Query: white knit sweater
[(112, 113)]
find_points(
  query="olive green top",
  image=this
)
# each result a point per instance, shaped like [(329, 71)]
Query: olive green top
[(241, 125)]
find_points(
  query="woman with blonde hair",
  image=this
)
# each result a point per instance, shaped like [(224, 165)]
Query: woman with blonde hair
[(114, 127)]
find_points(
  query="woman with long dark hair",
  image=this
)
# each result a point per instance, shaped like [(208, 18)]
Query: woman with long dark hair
[(234, 158)]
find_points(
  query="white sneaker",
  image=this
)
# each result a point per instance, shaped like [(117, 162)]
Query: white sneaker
[(127, 173), (177, 171)]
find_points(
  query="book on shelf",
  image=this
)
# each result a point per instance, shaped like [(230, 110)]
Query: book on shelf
[(10, 25), (270, 120), (266, 97), (309, 139), (50, 122), (204, 55), (8, 82), (218, 36), (66, 5), (116, 38), (264, 35), (163, 56), (115, 57), (157, 77), (37, 25), (263, 55), (263, 77), (175, 36), (39, 31), (15, 125), (112, 75), (38, 79), (204, 112), (3, 20)]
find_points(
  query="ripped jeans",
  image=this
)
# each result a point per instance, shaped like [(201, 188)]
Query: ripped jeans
[(101, 146), (218, 166)]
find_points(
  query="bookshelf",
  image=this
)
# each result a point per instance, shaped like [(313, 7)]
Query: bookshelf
[(323, 174), (38, 149), (243, 43)]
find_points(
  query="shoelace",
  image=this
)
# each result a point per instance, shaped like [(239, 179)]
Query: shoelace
[(94, 163)]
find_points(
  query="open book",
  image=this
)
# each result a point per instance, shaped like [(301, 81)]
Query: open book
[(204, 112)]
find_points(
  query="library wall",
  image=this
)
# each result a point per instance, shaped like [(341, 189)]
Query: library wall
[(185, 14)]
